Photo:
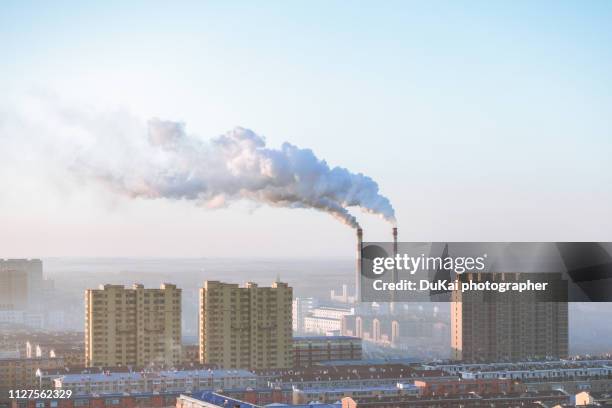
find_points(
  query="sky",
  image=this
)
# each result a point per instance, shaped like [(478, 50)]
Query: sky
[(480, 121)]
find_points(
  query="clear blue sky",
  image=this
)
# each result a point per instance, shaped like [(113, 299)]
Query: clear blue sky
[(479, 120)]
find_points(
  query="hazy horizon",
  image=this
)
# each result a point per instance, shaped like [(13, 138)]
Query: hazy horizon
[(587, 329)]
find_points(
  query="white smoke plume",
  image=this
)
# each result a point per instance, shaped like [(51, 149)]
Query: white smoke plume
[(237, 165)]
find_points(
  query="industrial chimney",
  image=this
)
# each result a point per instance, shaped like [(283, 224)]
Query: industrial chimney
[(395, 277), (358, 268)]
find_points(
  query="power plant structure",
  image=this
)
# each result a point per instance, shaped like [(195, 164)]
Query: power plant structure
[(359, 266), (395, 277)]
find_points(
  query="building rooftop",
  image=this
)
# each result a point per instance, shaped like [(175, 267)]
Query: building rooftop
[(225, 401), (370, 361), (350, 372), (220, 400), (456, 400), (523, 365), (324, 338), (404, 386), (185, 374), (79, 370)]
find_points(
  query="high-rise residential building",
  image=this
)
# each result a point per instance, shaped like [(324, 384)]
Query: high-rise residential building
[(246, 327), (21, 282), (132, 326), (508, 326)]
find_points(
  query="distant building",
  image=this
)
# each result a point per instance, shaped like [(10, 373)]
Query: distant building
[(246, 327), (316, 349), (13, 290), (343, 297), (133, 326), (21, 284), (326, 319), (510, 326), (301, 307)]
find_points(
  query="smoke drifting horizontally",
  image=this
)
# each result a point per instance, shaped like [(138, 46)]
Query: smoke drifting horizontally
[(238, 165)]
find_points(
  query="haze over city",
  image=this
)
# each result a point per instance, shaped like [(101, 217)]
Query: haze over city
[(189, 190)]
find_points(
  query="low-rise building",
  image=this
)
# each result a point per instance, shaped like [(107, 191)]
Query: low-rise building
[(160, 381), (326, 319), (218, 400), (316, 349), (148, 400), (348, 376), (20, 373), (332, 395), (429, 388), (470, 400)]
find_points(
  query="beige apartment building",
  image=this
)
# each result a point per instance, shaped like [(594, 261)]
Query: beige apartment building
[(132, 326), (510, 326), (246, 327)]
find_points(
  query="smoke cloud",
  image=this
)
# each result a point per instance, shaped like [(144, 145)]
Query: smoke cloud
[(237, 165)]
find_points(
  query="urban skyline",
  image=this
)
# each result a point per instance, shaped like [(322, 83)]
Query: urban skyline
[(139, 353), (305, 205)]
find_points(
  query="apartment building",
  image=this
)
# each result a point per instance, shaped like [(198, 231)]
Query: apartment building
[(510, 326), (132, 326), (246, 327)]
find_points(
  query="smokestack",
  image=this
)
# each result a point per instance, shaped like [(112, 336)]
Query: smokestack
[(358, 268), (395, 277)]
